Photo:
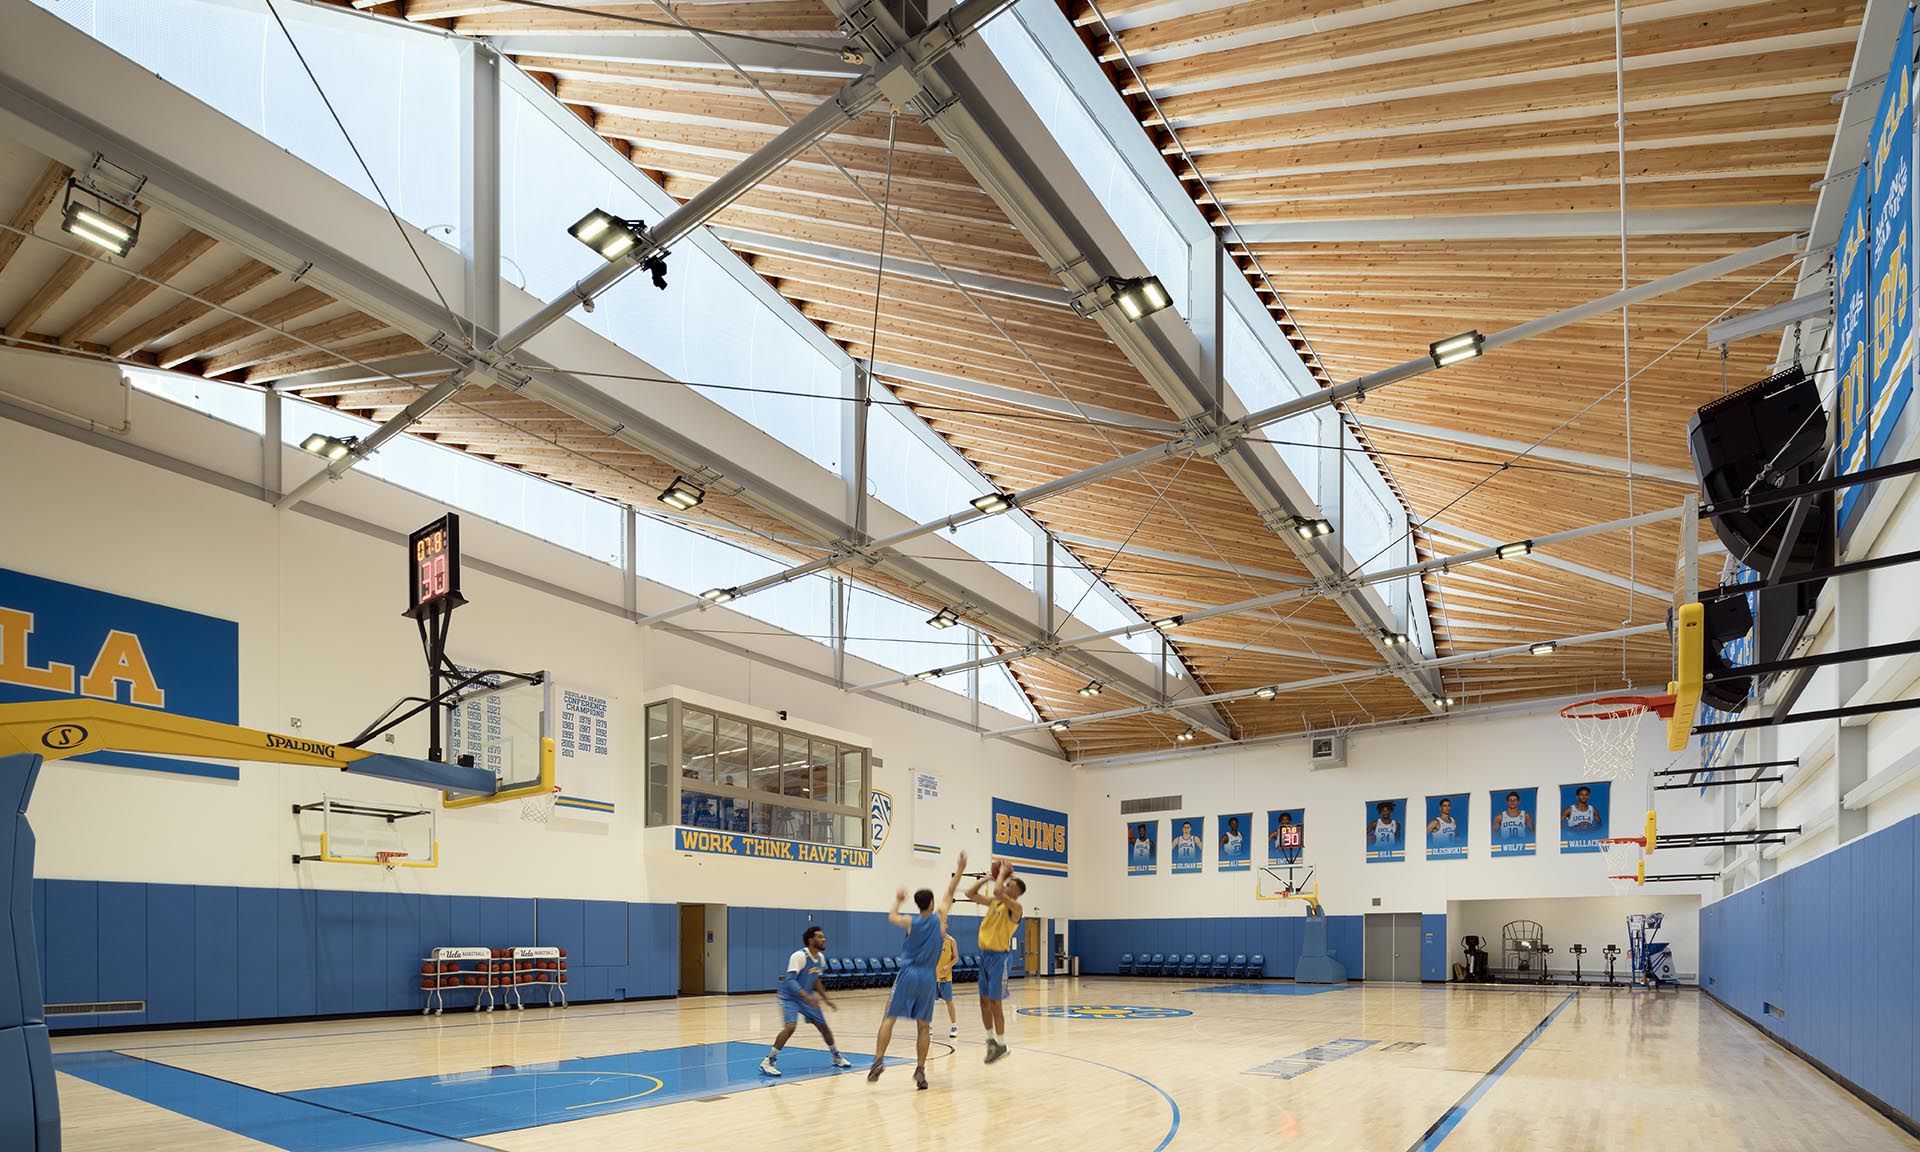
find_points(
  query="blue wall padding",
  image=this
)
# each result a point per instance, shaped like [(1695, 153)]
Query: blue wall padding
[(1101, 943), (1433, 952), (759, 940), (29, 1108), (1829, 946), (212, 953)]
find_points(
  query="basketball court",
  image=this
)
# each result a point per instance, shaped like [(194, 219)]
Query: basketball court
[(1121, 574)]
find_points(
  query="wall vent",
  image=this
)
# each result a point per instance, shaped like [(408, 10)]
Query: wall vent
[(1150, 804), (97, 1009)]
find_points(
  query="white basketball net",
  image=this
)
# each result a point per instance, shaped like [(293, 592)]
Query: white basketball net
[(1623, 859), (1607, 733), (537, 808)]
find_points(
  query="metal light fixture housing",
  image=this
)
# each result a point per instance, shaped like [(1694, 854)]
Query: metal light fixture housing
[(1312, 527), (993, 502), (1092, 689), (945, 618), (101, 220), (1544, 648), (1514, 550), (329, 448), (719, 595), (1454, 349), (607, 234), (682, 494), (1138, 297)]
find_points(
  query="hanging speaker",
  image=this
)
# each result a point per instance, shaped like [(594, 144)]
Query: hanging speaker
[(1765, 436), (1723, 688)]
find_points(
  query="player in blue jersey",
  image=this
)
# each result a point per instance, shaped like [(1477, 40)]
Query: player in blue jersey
[(802, 997), (913, 989)]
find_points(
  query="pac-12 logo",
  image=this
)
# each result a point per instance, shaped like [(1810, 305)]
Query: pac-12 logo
[(879, 818)]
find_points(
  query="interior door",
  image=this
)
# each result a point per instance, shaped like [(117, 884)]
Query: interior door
[(693, 949), (1379, 947), (1406, 946), (1032, 940)]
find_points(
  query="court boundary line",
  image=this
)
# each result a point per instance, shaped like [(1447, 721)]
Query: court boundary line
[(1173, 1129), (1434, 1136)]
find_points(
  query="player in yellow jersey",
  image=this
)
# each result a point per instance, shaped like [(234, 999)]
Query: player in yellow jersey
[(943, 983), (996, 950)]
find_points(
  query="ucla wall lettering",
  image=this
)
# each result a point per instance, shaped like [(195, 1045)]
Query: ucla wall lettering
[(62, 640), (770, 848)]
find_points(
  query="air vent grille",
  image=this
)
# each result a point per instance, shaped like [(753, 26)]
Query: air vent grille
[(1150, 804)]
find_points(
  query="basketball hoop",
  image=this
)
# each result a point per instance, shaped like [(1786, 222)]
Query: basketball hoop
[(1607, 728), (390, 860), (1626, 862), (537, 808)]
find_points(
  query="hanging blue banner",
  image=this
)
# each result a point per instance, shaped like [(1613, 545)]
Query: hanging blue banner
[(62, 640), (1035, 839), (1850, 346), (1891, 169)]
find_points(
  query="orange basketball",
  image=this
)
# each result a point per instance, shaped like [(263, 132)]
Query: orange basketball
[(1002, 869)]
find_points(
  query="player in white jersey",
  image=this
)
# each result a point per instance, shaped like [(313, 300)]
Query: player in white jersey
[(1186, 846), (1142, 846), (1444, 827), (801, 997), (1512, 823), (1231, 841), (1384, 829), (1580, 816)]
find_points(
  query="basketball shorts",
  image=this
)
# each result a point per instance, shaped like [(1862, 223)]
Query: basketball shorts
[(943, 990), (792, 1009), (993, 975), (912, 997)]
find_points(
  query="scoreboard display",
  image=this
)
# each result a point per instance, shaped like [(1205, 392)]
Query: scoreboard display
[(433, 567)]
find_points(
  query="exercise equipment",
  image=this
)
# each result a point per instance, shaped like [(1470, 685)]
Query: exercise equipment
[(1476, 968), (1652, 959), (1612, 953), (1577, 951)]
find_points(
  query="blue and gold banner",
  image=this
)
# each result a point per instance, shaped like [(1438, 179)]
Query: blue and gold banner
[(1583, 815), (1447, 827), (1188, 846), (769, 848), (1035, 839), (1386, 831), (1514, 832), (1236, 843), (61, 640), (1891, 201), (1143, 847), (1850, 347)]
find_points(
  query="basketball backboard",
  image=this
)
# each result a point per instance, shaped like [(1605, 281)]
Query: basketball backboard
[(502, 723)]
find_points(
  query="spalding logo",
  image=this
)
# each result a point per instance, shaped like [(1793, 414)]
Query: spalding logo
[(879, 819)]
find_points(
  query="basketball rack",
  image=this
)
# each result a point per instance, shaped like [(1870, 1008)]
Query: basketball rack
[(328, 808)]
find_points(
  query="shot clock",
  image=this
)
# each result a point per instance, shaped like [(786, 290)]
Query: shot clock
[(433, 568)]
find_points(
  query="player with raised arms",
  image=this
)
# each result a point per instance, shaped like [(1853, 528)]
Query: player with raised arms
[(996, 950), (801, 998), (913, 988)]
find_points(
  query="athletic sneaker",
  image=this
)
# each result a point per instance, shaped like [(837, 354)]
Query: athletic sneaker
[(953, 1032), (840, 1061), (995, 1050), (767, 1068), (873, 1073), (920, 1079)]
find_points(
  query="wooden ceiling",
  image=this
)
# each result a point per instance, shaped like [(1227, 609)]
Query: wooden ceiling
[(1407, 176)]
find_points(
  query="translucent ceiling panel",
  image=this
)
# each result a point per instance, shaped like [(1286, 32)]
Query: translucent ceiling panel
[(686, 560), (395, 91), (999, 690), (896, 635), (920, 481)]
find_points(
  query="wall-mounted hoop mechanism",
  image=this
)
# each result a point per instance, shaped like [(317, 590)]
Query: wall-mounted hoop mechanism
[(1607, 729)]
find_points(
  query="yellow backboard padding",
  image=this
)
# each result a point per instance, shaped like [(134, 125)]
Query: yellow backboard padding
[(59, 729), (1649, 833), (1689, 658)]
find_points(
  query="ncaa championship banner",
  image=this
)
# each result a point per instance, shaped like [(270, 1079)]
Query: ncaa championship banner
[(1034, 839), (61, 640), (770, 848)]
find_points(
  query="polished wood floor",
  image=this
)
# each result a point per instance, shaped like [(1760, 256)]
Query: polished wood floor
[(1612, 1070)]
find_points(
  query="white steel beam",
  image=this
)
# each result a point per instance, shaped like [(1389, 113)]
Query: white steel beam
[(1035, 401), (1640, 468), (677, 49), (978, 282), (1665, 596), (1531, 226)]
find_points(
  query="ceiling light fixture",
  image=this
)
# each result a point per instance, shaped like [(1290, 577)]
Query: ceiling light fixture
[(1544, 648), (1058, 726), (1187, 736), (1311, 527), (1267, 693), (1170, 623), (945, 618), (1514, 550), (607, 234), (682, 494), (1397, 639), (328, 447), (993, 502), (1454, 349), (1446, 701), (719, 595), (1092, 689), (1138, 297), (107, 222), (930, 674)]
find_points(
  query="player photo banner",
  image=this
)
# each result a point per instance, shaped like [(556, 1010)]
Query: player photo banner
[(1236, 842), (1514, 832), (1583, 815), (1287, 836), (1143, 847), (1386, 831), (1188, 846), (1447, 827)]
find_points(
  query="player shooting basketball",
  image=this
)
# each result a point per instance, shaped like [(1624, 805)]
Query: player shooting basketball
[(996, 949)]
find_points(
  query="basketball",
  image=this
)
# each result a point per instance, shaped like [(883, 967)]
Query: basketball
[(1001, 870)]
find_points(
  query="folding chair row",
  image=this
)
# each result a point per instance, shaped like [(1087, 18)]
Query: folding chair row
[(880, 971), (1213, 965)]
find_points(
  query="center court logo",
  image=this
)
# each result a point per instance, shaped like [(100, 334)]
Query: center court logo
[(879, 818), (1105, 1012)]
